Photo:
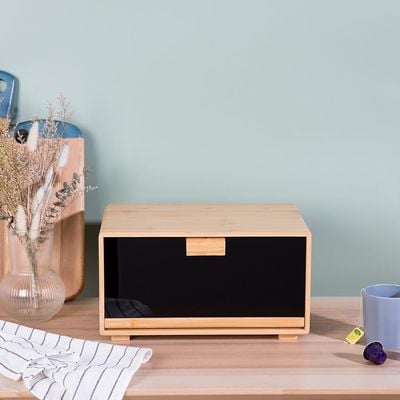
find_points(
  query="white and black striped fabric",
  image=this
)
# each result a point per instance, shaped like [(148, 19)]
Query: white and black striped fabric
[(55, 367)]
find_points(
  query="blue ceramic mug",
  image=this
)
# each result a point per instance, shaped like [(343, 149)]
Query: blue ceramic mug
[(381, 314)]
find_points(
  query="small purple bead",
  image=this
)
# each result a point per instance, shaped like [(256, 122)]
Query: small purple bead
[(374, 353)]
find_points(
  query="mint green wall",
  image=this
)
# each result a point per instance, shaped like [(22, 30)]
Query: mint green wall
[(231, 101)]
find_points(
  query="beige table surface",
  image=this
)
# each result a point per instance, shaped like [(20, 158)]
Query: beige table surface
[(318, 366)]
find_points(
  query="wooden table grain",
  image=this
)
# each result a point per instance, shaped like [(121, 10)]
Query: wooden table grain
[(316, 366)]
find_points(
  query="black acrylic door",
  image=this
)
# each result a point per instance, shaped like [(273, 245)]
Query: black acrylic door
[(153, 277)]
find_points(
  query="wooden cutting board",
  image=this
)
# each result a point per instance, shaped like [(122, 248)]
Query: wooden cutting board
[(68, 250), (68, 254)]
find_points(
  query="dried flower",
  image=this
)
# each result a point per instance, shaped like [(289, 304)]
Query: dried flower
[(37, 200), (4, 215), (33, 137), (62, 161), (20, 221), (49, 178), (34, 230), (28, 176)]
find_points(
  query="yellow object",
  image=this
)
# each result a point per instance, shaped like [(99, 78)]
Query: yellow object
[(354, 336)]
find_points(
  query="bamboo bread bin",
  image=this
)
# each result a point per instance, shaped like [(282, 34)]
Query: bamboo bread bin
[(204, 270)]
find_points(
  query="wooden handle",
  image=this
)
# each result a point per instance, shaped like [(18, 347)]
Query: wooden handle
[(205, 246)]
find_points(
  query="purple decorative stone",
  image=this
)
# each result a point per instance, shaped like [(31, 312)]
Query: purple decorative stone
[(374, 353)]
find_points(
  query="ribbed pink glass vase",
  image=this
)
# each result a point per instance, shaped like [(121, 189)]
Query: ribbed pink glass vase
[(31, 291)]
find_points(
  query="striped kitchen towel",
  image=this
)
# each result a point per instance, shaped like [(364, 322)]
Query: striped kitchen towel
[(55, 367)]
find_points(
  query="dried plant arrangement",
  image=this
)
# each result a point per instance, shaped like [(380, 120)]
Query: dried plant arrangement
[(29, 167)]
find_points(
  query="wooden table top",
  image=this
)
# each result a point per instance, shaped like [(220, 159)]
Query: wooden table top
[(319, 365)]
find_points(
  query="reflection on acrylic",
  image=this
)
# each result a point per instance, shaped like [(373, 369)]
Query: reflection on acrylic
[(126, 308)]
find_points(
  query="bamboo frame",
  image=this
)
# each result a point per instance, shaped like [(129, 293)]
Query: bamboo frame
[(226, 322)]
